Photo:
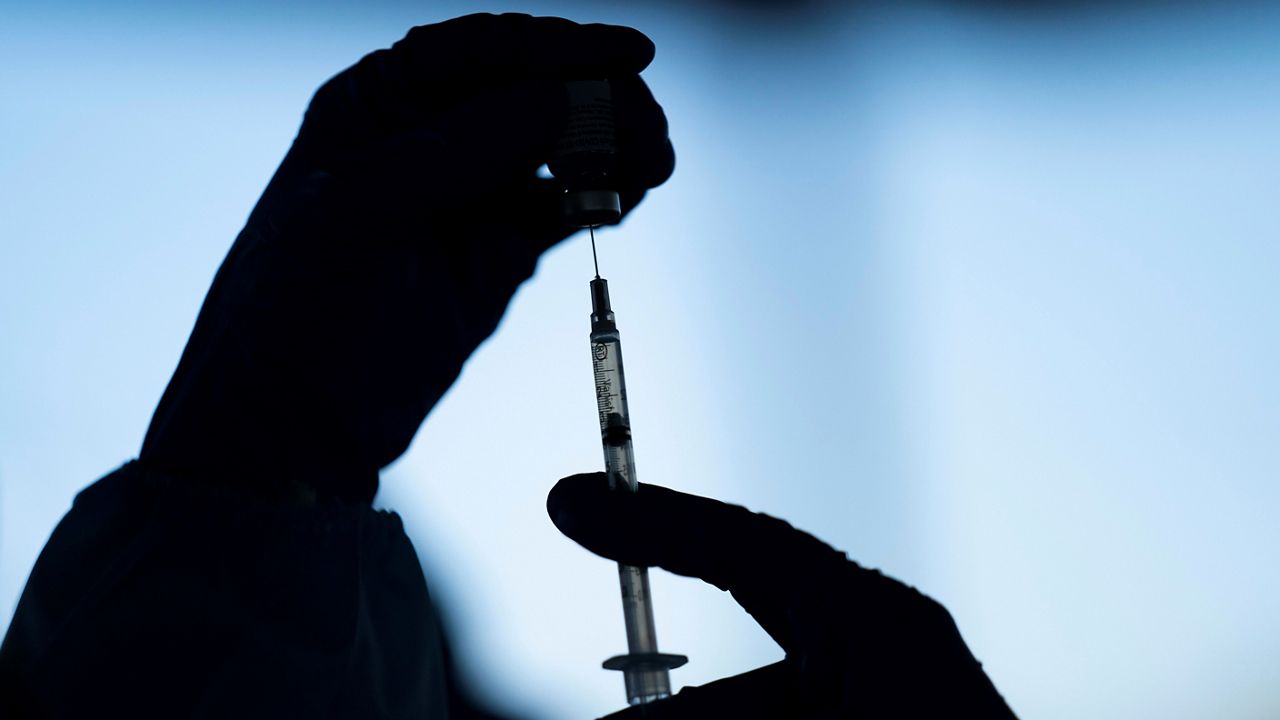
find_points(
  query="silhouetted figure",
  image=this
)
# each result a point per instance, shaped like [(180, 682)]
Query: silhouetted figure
[(236, 569)]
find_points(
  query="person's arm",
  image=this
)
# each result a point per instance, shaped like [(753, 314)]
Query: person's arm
[(386, 249), (199, 580)]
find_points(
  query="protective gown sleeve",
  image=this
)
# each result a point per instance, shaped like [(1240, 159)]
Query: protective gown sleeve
[(157, 598)]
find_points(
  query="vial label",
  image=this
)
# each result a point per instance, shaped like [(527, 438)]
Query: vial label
[(590, 127)]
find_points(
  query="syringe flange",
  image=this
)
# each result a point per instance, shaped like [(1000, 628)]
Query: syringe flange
[(646, 674), (645, 661)]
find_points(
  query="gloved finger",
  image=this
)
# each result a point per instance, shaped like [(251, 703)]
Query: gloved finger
[(435, 66), (509, 242), (497, 239), (767, 692), (631, 199), (487, 48), (725, 545), (506, 244), (486, 144), (478, 166), (497, 140), (776, 572), (645, 155)]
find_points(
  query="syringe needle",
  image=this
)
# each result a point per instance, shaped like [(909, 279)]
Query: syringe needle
[(594, 260)]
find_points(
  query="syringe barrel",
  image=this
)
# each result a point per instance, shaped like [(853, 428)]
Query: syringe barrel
[(645, 681), (611, 405)]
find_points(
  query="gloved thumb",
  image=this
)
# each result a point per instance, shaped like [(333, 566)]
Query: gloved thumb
[(763, 561), (725, 545)]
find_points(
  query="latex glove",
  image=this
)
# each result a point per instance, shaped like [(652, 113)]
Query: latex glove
[(857, 643), (387, 246)]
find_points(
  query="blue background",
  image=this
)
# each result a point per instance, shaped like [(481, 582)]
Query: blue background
[(984, 296)]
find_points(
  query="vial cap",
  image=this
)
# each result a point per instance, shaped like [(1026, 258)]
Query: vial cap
[(585, 208)]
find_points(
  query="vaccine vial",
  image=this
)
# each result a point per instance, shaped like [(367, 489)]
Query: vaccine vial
[(584, 159)]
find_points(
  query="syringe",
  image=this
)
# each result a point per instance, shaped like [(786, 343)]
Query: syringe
[(644, 669)]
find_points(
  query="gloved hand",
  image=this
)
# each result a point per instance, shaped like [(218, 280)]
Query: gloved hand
[(387, 246), (858, 644)]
